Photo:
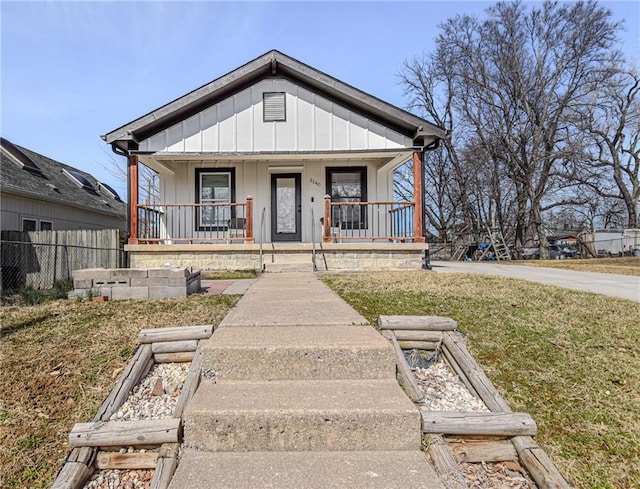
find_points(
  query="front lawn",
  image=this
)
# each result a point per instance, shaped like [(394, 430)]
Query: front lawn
[(60, 359), (570, 359)]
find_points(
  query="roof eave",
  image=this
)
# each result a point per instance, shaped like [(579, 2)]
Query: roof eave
[(195, 97)]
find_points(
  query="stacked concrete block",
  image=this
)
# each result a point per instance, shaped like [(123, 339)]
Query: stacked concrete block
[(130, 283)]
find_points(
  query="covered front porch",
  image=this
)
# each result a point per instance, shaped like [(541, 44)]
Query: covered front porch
[(308, 212), (313, 198)]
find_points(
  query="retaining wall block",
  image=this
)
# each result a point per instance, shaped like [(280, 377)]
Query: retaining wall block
[(119, 293), (102, 291), (128, 273), (121, 282), (172, 281), (178, 272), (92, 273), (139, 282), (167, 292), (82, 283)]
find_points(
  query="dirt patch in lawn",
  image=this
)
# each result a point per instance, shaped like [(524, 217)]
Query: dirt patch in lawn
[(59, 360), (570, 359)]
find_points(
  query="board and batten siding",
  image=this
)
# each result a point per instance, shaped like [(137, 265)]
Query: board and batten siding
[(313, 123)]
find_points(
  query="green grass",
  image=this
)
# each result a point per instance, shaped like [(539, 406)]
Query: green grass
[(570, 359), (60, 359)]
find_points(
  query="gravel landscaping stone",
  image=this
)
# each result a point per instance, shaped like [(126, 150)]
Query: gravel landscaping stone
[(144, 403), (444, 391), (120, 479)]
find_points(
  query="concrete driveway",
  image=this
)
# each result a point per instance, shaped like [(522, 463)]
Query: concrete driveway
[(623, 286)]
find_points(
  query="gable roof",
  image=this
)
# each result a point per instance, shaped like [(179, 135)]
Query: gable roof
[(27, 173), (273, 64)]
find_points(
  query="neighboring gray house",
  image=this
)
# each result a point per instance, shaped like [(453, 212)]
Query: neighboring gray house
[(39, 194)]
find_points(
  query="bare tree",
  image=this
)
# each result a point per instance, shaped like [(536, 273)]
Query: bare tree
[(516, 77), (430, 95), (148, 186), (610, 127)]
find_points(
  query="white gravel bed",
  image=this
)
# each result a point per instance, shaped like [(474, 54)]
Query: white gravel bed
[(120, 478), (143, 403), (444, 391)]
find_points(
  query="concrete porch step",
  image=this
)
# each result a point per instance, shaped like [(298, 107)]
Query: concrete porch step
[(298, 353), (301, 415), (305, 470), (305, 266)]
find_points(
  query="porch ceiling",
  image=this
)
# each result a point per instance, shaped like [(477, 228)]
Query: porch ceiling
[(387, 159)]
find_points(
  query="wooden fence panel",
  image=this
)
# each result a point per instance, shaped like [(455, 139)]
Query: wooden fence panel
[(40, 258)]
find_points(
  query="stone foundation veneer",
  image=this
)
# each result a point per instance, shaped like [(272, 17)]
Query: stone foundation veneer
[(339, 256)]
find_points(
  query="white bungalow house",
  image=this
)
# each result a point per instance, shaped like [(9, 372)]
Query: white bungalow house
[(275, 163)]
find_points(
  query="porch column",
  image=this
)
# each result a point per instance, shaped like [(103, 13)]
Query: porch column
[(418, 211), (326, 220), (132, 167), (248, 232)]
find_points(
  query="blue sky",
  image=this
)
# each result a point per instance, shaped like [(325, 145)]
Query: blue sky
[(71, 71)]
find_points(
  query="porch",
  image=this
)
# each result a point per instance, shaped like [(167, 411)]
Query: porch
[(234, 223), (347, 236)]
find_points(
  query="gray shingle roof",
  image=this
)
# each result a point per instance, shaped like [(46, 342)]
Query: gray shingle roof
[(48, 181)]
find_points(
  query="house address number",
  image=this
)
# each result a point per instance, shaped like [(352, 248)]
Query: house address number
[(314, 182)]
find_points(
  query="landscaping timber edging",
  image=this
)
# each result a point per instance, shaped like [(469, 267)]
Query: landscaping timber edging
[(125, 433), (90, 442), (499, 435)]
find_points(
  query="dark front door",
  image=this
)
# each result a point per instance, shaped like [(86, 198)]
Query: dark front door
[(286, 208)]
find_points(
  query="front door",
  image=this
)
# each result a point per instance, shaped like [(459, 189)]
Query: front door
[(286, 207)]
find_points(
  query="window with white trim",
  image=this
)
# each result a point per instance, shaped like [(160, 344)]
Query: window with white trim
[(29, 224), (214, 187), (46, 226)]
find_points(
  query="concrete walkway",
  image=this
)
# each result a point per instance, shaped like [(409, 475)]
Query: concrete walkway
[(226, 287), (622, 286), (297, 394)]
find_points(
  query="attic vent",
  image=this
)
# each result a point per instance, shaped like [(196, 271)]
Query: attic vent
[(273, 106), (79, 179)]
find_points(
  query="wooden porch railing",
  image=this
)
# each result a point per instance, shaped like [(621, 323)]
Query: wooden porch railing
[(369, 221), (195, 223)]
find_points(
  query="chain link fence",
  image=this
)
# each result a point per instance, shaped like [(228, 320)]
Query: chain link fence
[(43, 266)]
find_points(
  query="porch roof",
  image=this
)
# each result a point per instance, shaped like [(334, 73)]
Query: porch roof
[(388, 159), (271, 64)]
